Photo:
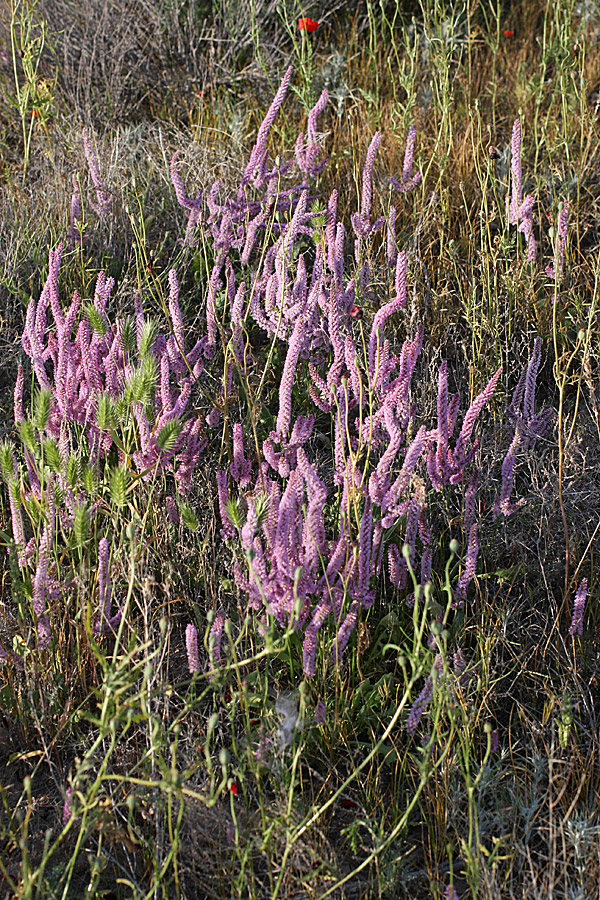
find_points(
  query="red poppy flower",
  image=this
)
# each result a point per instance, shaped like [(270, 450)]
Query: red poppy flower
[(356, 312), (509, 34), (234, 789), (308, 25)]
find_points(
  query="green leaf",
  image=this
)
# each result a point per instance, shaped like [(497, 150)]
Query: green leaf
[(118, 486), (234, 514), (90, 480), (261, 504), (42, 407), (73, 471), (106, 416), (95, 319), (169, 435), (188, 517), (27, 435), (148, 337), (7, 460), (51, 454), (81, 525), (140, 387), (121, 410), (128, 336)]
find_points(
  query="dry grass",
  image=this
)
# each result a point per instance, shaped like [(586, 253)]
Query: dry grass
[(148, 79)]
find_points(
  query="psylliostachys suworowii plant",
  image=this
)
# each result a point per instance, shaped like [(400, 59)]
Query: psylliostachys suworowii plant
[(313, 554), (307, 567), (111, 407), (519, 209), (527, 428), (519, 212), (105, 378)]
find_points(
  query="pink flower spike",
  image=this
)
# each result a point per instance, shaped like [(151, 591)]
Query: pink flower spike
[(579, 609), (67, 808), (191, 644)]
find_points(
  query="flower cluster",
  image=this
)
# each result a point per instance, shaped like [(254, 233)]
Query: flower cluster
[(297, 571), (313, 555), (519, 210), (528, 426), (98, 375), (111, 404)]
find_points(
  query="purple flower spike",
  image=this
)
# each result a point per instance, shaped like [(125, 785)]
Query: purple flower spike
[(176, 312), (320, 713), (459, 662), (345, 631), (516, 185), (461, 455), (408, 181), (287, 379), (526, 226), (528, 427), (15, 514), (391, 250), (309, 648), (40, 583), (255, 172), (193, 206), (518, 210), (307, 157), (470, 565), (361, 221), (424, 698), (67, 807), (241, 468), (191, 645), (419, 706), (227, 531), (579, 609), (384, 314), (216, 632), (172, 511), (103, 202)]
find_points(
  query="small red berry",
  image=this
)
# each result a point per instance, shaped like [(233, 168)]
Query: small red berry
[(234, 789), (509, 34)]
